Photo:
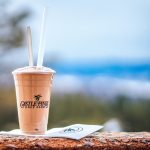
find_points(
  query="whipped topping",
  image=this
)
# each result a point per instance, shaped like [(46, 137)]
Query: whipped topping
[(33, 69)]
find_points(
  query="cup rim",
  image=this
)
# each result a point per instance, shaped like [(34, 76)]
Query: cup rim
[(39, 71)]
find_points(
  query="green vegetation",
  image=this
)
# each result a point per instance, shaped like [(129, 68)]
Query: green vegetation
[(70, 109)]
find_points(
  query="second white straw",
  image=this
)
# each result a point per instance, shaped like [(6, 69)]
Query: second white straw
[(42, 39), (30, 51)]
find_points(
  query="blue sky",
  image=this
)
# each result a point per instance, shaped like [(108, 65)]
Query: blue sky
[(86, 30)]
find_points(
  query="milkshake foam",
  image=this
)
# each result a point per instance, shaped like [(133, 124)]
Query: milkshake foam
[(33, 69)]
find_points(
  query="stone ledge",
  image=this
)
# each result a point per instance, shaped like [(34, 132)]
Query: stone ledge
[(97, 141)]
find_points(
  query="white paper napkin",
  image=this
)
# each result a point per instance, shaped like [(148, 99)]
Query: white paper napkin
[(76, 131)]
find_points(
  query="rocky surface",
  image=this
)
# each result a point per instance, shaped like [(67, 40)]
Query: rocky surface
[(96, 141)]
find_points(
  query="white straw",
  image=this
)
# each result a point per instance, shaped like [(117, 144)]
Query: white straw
[(29, 41), (42, 39)]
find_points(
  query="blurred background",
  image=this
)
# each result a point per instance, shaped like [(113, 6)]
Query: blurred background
[(100, 51)]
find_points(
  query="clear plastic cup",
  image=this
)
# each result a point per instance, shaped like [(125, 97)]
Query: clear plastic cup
[(33, 90)]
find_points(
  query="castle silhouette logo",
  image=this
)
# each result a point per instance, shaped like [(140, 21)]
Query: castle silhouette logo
[(37, 97), (37, 103)]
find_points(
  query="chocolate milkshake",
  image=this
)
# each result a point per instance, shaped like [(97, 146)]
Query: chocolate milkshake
[(33, 90)]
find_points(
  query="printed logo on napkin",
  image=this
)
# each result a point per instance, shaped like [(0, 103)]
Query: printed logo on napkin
[(76, 131)]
